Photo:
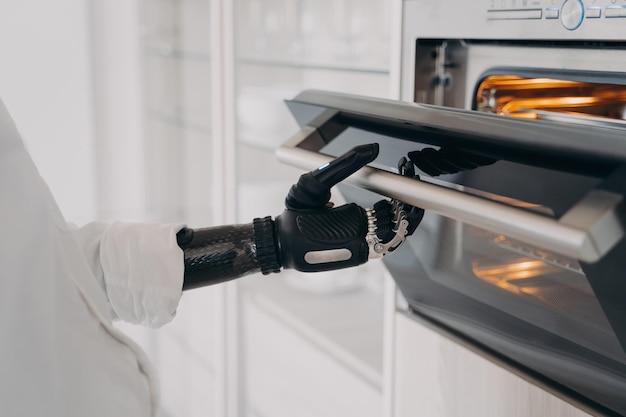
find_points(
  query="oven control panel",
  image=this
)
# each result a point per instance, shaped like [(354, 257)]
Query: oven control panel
[(567, 20), (570, 14)]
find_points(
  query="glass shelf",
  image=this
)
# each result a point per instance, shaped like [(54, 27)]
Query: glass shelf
[(176, 119), (257, 142), (167, 51), (264, 120), (303, 65)]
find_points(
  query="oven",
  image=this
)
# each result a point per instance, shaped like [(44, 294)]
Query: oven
[(512, 115)]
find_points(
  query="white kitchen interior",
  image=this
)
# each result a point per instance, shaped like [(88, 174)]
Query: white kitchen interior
[(169, 111)]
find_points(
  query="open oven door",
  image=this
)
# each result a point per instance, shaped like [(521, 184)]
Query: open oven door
[(522, 248)]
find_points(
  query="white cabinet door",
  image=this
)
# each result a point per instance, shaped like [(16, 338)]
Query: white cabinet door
[(437, 377), (292, 368)]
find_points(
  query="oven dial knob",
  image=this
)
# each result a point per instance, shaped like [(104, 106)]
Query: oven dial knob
[(572, 13)]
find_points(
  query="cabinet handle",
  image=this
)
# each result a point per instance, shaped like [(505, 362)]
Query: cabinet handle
[(586, 232)]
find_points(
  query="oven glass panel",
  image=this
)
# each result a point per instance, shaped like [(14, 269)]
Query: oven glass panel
[(533, 306), (537, 286)]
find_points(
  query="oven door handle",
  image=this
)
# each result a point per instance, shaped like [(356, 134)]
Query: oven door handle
[(587, 232)]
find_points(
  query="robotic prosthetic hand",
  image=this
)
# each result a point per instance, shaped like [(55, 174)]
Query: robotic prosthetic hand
[(309, 236)]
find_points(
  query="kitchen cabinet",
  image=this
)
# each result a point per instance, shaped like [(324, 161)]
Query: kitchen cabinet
[(310, 344), (209, 82), (434, 376), (304, 356)]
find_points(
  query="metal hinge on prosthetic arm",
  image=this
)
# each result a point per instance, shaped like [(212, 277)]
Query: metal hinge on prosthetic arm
[(405, 219), (378, 249)]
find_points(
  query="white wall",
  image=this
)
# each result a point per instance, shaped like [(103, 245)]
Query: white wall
[(118, 110), (45, 79)]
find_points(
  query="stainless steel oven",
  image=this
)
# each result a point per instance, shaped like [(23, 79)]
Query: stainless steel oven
[(512, 114)]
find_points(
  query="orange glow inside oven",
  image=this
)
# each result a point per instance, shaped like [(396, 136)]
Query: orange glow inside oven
[(516, 96), (513, 276)]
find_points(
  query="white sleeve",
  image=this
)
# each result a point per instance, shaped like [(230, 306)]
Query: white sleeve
[(139, 266)]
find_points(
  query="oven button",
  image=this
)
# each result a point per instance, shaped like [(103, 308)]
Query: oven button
[(572, 13), (552, 13), (593, 13), (615, 11)]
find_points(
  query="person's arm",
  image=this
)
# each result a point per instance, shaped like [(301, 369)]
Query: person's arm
[(143, 268)]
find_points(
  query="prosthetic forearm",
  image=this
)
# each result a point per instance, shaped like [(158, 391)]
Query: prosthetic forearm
[(218, 254), (309, 236)]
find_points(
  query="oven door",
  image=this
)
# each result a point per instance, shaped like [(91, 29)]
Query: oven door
[(521, 254)]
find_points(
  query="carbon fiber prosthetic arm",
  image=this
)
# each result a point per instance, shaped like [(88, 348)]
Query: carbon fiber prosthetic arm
[(219, 254)]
